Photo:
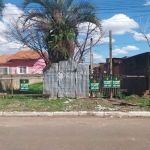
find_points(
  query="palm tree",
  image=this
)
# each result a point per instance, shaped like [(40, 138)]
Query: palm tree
[(1, 6), (58, 20)]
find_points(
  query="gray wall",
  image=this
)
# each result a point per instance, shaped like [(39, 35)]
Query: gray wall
[(5, 80), (67, 79)]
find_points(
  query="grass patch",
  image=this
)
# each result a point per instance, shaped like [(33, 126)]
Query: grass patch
[(35, 88), (31, 104), (143, 102), (40, 104)]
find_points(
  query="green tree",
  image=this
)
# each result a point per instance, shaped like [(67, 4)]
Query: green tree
[(58, 20)]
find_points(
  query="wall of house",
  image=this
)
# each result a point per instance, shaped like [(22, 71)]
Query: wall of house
[(117, 66), (39, 65), (136, 66), (135, 85), (34, 66)]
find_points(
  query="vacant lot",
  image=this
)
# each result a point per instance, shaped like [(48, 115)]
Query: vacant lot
[(67, 104)]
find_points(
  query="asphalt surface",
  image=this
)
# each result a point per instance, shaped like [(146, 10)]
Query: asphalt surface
[(74, 133)]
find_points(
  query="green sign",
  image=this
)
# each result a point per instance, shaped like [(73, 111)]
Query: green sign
[(94, 84), (107, 82), (24, 84), (115, 82), (111, 82)]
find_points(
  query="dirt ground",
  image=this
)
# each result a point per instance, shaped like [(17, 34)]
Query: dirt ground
[(116, 105)]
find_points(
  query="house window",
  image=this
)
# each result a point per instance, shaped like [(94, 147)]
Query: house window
[(22, 70), (4, 70)]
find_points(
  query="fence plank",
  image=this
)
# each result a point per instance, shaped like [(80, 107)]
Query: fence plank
[(50, 83), (82, 81)]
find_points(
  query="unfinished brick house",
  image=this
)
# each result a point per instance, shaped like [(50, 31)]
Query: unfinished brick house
[(136, 71)]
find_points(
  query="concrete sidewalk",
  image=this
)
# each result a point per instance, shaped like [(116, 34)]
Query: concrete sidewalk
[(75, 114)]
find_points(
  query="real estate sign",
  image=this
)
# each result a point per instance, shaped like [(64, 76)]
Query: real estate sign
[(24, 84), (115, 82), (94, 84), (107, 82), (111, 82)]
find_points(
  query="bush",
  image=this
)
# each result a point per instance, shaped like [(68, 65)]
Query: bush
[(120, 95)]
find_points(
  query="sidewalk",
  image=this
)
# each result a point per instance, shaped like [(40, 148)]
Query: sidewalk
[(76, 114)]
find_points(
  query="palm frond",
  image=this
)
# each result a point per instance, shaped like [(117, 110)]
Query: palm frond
[(68, 3), (59, 20), (1, 6)]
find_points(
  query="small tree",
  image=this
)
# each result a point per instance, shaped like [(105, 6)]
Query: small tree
[(83, 46), (32, 38), (57, 34), (58, 20), (142, 30)]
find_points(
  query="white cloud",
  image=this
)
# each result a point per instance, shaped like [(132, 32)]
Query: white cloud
[(139, 37), (94, 31), (84, 27), (119, 24), (130, 47), (147, 3), (105, 40), (124, 50), (118, 51), (10, 12), (97, 58)]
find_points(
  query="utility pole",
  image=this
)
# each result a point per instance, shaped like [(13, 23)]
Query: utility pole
[(91, 63), (110, 66), (91, 56)]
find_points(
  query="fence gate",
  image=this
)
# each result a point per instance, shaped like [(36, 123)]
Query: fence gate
[(67, 79)]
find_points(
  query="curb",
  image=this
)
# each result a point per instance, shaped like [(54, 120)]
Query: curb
[(75, 114)]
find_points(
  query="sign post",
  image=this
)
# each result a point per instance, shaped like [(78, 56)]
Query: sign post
[(24, 84)]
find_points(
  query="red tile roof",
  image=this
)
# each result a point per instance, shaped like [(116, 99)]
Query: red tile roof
[(4, 58), (25, 54)]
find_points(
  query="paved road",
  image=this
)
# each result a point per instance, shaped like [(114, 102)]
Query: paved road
[(78, 133)]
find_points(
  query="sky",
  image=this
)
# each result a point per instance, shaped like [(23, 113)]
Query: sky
[(124, 18)]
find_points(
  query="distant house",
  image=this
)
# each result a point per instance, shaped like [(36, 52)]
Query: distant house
[(104, 68), (22, 62)]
